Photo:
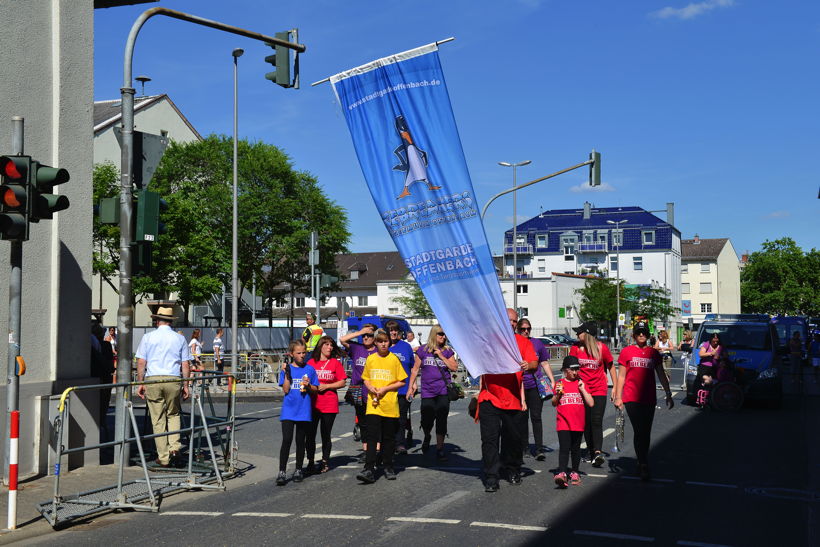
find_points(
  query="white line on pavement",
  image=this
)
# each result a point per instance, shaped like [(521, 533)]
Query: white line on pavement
[(451, 414), (329, 516), (262, 515), (510, 526), (609, 431), (258, 411), (425, 520), (700, 544), (416, 412), (612, 535), (717, 484), (348, 434), (193, 513), (596, 475)]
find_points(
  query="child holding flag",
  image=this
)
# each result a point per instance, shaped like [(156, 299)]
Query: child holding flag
[(569, 398)]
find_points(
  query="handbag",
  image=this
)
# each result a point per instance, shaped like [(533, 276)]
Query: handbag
[(472, 407), (354, 396), (454, 391), (543, 385)]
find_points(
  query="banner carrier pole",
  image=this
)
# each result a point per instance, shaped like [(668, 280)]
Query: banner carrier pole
[(438, 43)]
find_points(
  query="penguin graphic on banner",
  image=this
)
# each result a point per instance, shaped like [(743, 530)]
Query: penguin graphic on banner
[(412, 159)]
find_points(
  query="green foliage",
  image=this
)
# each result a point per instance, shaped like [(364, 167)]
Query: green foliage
[(598, 301), (781, 279), (414, 304), (105, 260)]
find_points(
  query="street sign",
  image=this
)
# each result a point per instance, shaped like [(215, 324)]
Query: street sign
[(621, 320), (148, 151)]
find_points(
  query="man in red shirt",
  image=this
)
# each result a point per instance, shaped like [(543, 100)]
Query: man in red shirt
[(500, 410)]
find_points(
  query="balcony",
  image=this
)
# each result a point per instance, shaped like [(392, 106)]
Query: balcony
[(521, 249), (600, 247)]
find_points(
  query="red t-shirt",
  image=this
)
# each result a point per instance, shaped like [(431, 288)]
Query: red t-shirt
[(639, 383), (329, 372), (504, 390), (593, 372), (570, 411)]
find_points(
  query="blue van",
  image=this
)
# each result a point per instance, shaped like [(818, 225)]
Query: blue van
[(786, 326), (753, 346)]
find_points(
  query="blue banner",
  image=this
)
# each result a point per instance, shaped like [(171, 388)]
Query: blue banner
[(399, 115)]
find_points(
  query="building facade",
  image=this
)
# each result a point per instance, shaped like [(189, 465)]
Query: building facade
[(710, 278)]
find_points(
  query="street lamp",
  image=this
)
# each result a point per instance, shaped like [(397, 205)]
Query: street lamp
[(618, 270), (515, 228), (236, 54)]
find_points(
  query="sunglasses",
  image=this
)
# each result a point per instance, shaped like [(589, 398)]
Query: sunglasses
[(525, 329), (368, 335), (440, 334)]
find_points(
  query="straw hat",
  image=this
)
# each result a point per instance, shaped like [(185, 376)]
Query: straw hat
[(165, 314)]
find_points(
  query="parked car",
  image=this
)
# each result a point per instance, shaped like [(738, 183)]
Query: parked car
[(551, 341), (562, 338)]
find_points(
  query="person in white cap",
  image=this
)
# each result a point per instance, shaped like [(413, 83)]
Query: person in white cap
[(164, 355)]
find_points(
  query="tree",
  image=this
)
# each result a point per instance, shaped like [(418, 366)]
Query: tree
[(781, 279), (105, 261), (414, 304), (598, 301)]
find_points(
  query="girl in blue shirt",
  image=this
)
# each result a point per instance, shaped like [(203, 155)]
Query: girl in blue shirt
[(299, 381)]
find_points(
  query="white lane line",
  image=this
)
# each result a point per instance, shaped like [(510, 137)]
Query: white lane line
[(510, 526), (193, 513), (596, 475), (348, 434), (262, 515), (631, 478), (716, 484), (700, 544), (451, 414), (329, 516), (613, 535), (258, 411), (424, 520), (609, 431), (416, 412), (348, 467)]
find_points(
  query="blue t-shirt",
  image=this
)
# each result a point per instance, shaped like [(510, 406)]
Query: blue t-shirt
[(404, 352), (297, 406)]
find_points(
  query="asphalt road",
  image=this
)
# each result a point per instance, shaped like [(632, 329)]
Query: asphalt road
[(719, 479)]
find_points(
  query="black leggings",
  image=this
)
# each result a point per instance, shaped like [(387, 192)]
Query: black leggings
[(535, 405), (361, 411), (404, 418), (641, 416), (435, 409), (594, 432), (569, 441), (326, 420), (702, 370), (380, 430), (302, 429)]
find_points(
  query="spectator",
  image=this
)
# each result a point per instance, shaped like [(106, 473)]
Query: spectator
[(404, 352), (709, 353), (411, 339), (312, 332), (665, 347), (219, 356), (570, 400), (535, 403), (358, 353), (102, 368), (332, 377), (795, 352), (195, 347), (111, 338)]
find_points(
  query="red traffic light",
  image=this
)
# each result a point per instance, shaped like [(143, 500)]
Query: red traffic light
[(13, 167), (13, 197)]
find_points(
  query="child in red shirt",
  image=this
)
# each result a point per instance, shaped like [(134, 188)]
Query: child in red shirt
[(570, 400)]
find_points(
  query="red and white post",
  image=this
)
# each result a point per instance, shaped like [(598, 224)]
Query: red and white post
[(14, 437)]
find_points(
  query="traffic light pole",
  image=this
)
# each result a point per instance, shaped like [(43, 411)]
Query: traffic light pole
[(15, 303), (125, 312)]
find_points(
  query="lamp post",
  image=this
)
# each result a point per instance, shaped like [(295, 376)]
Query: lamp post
[(515, 166), (236, 54), (617, 223)]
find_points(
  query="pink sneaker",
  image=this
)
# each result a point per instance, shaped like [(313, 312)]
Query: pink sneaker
[(574, 478), (560, 479)]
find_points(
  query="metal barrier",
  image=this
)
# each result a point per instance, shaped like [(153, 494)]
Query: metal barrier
[(133, 494)]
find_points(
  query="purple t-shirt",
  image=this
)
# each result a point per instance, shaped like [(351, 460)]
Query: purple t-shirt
[(543, 355), (358, 355), (712, 359), (433, 372)]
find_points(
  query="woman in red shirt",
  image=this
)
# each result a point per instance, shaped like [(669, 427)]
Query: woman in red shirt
[(595, 360), (332, 377), (570, 398), (636, 391)]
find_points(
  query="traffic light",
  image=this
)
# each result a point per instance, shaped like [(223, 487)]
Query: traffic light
[(281, 61), (142, 257), (14, 197), (149, 207), (595, 168), (42, 180)]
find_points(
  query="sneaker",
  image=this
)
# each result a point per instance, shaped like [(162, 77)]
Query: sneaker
[(541, 455), (441, 455), (401, 450), (297, 476), (309, 469), (560, 479), (574, 478), (425, 445), (491, 486), (366, 476), (643, 471), (362, 457), (281, 479), (515, 478), (389, 473), (598, 460)]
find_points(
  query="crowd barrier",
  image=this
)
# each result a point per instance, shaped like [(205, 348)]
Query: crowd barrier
[(144, 494)]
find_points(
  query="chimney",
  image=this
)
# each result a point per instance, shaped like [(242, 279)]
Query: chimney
[(587, 210), (697, 240), (745, 258)]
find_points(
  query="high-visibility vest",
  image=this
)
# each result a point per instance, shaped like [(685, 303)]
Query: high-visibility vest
[(312, 333)]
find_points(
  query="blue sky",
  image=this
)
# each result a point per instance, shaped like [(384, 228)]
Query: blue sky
[(712, 104)]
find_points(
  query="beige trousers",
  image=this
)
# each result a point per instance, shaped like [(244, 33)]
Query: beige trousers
[(166, 410)]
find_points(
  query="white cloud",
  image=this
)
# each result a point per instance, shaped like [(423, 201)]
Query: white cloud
[(690, 11), (585, 187), (779, 214)]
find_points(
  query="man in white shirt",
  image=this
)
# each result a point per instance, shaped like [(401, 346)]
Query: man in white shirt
[(164, 355)]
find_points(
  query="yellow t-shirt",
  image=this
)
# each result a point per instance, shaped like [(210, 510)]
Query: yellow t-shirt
[(382, 371)]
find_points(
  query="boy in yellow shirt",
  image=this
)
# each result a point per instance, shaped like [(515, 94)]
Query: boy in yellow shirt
[(383, 375)]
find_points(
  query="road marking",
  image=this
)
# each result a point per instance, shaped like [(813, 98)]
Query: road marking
[(329, 516), (700, 544), (451, 414), (612, 535), (193, 513), (258, 411), (424, 520), (609, 431), (510, 526), (416, 412), (262, 515), (348, 434), (596, 475), (717, 484), (348, 467)]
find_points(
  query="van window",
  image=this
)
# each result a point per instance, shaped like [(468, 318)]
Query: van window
[(753, 337)]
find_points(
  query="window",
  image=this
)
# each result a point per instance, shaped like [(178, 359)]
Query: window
[(541, 240), (648, 237), (593, 260), (279, 303), (705, 288), (523, 289), (637, 263), (704, 267), (617, 237), (684, 268), (569, 312), (542, 265), (361, 300), (568, 243), (613, 263), (524, 311), (706, 307), (299, 302), (684, 288), (354, 274), (392, 289), (587, 237), (602, 237), (520, 240), (392, 311)]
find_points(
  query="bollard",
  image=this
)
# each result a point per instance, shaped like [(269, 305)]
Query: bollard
[(14, 429)]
